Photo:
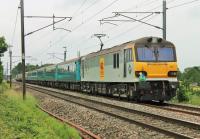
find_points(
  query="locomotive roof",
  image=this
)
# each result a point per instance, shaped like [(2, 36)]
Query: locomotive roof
[(109, 50), (144, 40), (121, 46)]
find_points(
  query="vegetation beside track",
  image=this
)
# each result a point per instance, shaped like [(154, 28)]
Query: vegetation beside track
[(186, 96), (22, 119), (189, 89)]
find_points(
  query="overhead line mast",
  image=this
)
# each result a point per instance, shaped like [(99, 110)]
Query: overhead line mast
[(23, 49), (164, 19), (65, 53), (23, 39)]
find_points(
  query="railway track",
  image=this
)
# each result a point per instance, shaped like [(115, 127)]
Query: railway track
[(191, 110), (195, 111), (183, 108), (169, 126)]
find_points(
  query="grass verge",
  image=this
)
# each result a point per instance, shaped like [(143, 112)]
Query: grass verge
[(22, 119), (193, 98)]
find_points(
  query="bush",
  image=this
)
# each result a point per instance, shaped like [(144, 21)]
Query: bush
[(182, 94)]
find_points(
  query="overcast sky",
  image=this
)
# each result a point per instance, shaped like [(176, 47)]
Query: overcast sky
[(183, 27)]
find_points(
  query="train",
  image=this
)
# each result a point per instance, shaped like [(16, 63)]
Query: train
[(143, 70)]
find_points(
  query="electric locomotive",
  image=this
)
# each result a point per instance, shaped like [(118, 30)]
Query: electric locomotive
[(117, 70), (143, 69)]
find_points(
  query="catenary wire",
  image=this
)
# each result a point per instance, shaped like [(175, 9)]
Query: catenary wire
[(103, 10), (113, 3), (95, 2), (153, 8), (82, 4), (128, 30), (88, 19), (131, 28), (183, 4)]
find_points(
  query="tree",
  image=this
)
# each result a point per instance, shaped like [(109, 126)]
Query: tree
[(30, 67), (181, 93), (179, 75), (191, 75), (3, 45), (3, 48), (17, 69)]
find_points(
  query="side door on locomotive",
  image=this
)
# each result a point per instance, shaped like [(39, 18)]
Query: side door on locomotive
[(128, 67)]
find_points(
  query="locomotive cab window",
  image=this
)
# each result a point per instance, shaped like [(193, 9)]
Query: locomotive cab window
[(116, 60), (156, 53)]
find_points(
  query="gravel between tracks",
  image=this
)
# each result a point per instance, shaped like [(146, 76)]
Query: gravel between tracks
[(162, 112), (98, 123)]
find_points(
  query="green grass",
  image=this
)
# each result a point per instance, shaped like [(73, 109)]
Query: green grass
[(23, 120), (3, 87), (196, 88), (194, 98)]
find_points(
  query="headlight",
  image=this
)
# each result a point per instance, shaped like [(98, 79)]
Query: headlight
[(172, 73)]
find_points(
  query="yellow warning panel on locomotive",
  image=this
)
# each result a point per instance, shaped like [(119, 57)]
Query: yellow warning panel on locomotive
[(101, 68)]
